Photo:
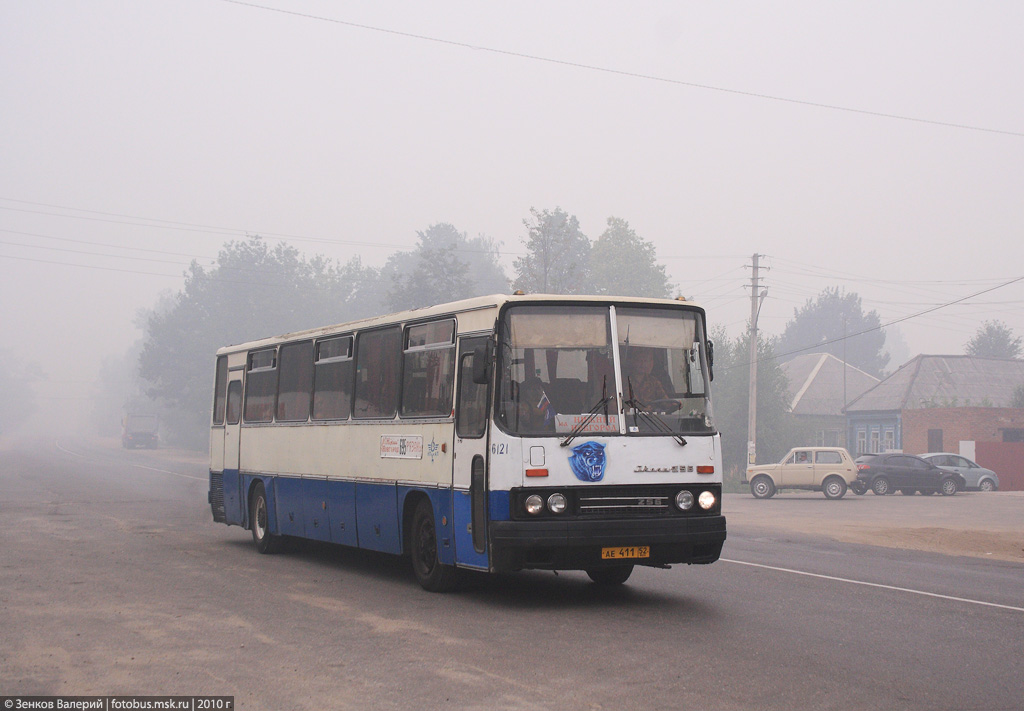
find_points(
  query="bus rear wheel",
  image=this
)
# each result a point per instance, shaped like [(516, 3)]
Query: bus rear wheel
[(432, 575), (266, 542), (615, 575)]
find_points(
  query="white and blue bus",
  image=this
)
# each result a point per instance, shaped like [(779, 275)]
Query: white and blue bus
[(499, 433)]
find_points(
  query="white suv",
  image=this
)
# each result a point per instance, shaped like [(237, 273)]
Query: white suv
[(829, 470)]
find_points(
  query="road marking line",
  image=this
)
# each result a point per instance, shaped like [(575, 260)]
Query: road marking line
[(137, 466), (874, 585)]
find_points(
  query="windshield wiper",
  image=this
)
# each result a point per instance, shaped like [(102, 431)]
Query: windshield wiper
[(602, 403), (640, 410)]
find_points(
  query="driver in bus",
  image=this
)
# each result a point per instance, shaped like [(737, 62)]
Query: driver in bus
[(646, 386)]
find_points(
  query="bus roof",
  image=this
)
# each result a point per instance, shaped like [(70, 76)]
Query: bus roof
[(478, 303)]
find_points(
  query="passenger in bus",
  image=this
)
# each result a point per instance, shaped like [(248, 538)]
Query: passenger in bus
[(646, 386)]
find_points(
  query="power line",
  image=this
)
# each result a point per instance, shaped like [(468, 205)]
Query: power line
[(620, 72), (142, 221), (881, 326)]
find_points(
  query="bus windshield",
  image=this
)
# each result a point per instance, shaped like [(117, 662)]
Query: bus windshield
[(558, 371)]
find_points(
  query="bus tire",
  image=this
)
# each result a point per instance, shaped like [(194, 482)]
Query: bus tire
[(266, 542), (432, 575), (615, 575)]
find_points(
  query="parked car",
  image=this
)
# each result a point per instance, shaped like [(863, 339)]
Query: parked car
[(890, 472), (976, 477), (829, 470)]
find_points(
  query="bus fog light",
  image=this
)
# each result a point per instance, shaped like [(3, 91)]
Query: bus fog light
[(534, 504), (684, 500), (556, 503), (706, 500)]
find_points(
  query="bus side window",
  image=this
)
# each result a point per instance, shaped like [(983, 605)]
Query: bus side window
[(295, 382), (219, 389), (234, 410), (429, 372), (471, 417), (261, 386), (332, 387), (378, 362)]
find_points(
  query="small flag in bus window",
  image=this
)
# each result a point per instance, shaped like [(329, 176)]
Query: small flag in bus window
[(546, 407)]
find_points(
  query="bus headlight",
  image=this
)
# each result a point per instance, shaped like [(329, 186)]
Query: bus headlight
[(684, 500), (706, 500), (534, 504), (556, 503)]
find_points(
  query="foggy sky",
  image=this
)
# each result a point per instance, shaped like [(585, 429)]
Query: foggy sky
[(174, 126)]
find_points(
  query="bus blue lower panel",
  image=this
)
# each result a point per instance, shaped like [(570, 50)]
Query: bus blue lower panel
[(359, 514), (341, 502), (290, 506), (234, 501), (465, 553), (377, 517), (315, 512)]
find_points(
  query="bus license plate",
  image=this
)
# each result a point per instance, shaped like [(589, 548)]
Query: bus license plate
[(626, 552)]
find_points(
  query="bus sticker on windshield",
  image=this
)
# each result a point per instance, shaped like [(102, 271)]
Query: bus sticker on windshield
[(598, 423)]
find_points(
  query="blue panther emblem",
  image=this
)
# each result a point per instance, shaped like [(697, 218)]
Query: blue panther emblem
[(587, 461)]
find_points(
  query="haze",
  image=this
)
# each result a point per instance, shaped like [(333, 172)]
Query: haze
[(139, 136)]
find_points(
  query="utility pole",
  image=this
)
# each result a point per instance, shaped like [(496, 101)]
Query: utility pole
[(756, 299)]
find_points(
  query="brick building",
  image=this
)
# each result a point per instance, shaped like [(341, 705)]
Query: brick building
[(957, 404), (876, 421), (942, 429)]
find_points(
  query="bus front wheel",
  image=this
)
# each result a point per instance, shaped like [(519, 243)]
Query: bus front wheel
[(430, 572), (615, 575)]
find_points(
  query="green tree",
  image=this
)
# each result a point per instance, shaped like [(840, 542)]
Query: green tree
[(1017, 399), (558, 255), (253, 291), (778, 430), (994, 339), (821, 324), (624, 264), (445, 266)]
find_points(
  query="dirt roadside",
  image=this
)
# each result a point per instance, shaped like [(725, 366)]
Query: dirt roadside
[(984, 525)]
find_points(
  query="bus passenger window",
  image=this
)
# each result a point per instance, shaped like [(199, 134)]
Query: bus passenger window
[(261, 386), (429, 378), (219, 388), (378, 362), (295, 382), (332, 387)]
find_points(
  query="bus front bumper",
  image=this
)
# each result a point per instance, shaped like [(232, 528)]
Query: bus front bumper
[(578, 544)]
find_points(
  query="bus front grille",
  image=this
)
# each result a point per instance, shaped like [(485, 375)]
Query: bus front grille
[(635, 501)]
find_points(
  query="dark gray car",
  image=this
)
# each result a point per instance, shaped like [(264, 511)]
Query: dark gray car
[(975, 476), (894, 471)]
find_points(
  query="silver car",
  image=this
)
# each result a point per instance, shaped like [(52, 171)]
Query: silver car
[(977, 477)]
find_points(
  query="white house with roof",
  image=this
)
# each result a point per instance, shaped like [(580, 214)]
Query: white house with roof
[(819, 386)]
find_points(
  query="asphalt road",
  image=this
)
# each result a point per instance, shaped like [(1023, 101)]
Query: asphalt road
[(115, 580)]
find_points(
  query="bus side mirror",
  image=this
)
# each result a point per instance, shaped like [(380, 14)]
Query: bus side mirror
[(482, 363), (711, 360)]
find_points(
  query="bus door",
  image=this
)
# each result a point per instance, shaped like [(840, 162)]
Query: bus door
[(234, 501), (469, 478)]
